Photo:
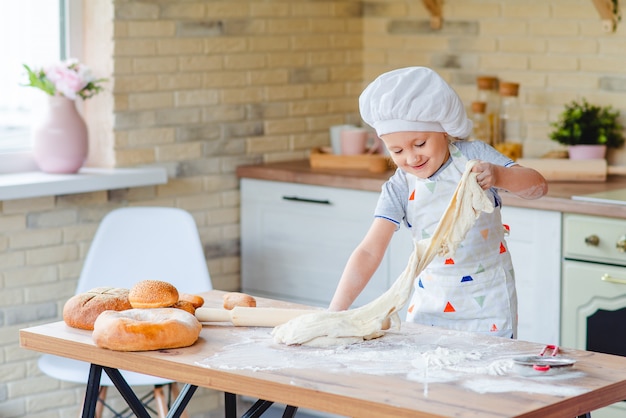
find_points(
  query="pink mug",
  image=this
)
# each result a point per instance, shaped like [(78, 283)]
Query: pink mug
[(354, 141)]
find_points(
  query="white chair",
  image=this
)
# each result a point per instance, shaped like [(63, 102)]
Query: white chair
[(130, 245)]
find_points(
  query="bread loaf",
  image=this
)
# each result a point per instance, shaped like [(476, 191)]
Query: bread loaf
[(81, 310), (185, 305), (153, 294), (233, 299), (196, 300), (146, 329)]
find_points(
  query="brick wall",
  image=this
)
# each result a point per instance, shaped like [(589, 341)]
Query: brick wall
[(203, 86), (557, 50), (199, 88)]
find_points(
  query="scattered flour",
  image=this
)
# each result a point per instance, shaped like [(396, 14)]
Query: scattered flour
[(420, 358)]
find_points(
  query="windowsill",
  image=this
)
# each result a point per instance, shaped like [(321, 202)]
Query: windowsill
[(36, 183)]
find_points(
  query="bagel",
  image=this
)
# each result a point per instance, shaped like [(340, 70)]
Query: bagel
[(81, 310), (152, 294), (233, 299), (146, 329)]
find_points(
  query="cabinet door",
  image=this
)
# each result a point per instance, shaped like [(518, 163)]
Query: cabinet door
[(296, 240), (535, 246)]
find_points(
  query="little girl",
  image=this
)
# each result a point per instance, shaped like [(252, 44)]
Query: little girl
[(422, 122)]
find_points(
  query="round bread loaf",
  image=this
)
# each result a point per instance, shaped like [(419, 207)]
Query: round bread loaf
[(146, 329), (81, 310), (185, 305), (233, 299), (152, 294), (196, 300)]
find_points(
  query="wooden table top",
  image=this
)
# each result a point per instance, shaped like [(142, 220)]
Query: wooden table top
[(383, 377)]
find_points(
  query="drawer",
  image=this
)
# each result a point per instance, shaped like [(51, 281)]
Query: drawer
[(594, 238)]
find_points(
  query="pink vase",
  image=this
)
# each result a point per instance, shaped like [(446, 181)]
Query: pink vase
[(60, 139)]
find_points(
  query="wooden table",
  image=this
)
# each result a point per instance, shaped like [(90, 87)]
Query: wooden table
[(379, 378)]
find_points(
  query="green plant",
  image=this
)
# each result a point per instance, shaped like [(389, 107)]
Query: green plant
[(586, 124)]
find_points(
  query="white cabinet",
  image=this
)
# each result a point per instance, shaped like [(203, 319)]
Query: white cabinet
[(535, 246), (297, 238)]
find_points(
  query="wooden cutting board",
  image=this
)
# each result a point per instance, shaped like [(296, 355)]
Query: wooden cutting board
[(562, 169)]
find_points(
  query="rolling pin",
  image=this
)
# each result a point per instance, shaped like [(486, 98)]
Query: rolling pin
[(241, 316)]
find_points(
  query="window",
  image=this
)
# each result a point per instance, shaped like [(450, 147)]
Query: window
[(40, 33)]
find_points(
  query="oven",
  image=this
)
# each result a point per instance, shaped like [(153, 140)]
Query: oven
[(593, 289)]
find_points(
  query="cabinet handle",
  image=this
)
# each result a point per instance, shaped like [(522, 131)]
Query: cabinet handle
[(606, 278), (306, 200)]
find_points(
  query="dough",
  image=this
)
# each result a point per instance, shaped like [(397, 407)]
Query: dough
[(81, 310), (146, 329), (153, 294), (366, 322)]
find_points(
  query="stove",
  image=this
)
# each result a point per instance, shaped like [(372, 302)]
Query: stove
[(614, 197)]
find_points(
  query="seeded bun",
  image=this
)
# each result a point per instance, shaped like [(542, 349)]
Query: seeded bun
[(152, 294)]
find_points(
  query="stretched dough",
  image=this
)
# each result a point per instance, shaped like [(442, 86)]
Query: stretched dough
[(366, 322)]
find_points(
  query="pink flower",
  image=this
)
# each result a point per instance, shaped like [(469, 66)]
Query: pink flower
[(69, 78), (67, 81)]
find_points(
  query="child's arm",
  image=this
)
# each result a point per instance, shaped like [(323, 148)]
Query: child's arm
[(362, 264), (521, 181)]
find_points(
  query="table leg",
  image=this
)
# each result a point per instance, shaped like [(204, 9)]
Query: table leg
[(183, 398), (257, 409), (127, 393), (230, 405), (92, 391), (290, 411)]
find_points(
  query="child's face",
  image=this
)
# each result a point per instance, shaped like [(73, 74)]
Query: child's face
[(418, 153)]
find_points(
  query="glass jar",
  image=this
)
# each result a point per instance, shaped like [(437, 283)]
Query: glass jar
[(488, 93), (481, 130), (510, 141)]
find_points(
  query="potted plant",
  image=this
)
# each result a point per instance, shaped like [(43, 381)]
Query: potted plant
[(583, 126)]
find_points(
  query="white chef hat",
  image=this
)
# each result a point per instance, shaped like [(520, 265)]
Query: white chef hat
[(413, 99)]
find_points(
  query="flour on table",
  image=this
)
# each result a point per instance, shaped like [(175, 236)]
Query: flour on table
[(366, 322), (427, 358)]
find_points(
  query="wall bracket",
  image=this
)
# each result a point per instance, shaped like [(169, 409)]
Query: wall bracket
[(434, 7), (609, 12)]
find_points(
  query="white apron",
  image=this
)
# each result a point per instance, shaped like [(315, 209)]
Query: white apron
[(475, 290)]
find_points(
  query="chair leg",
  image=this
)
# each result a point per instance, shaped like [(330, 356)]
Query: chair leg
[(102, 395), (161, 403), (175, 391)]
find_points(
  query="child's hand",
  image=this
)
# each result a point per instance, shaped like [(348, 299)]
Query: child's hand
[(486, 174)]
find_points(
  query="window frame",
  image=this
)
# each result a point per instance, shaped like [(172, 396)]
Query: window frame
[(23, 160)]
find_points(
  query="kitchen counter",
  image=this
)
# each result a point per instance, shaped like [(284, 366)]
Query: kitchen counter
[(558, 197)]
